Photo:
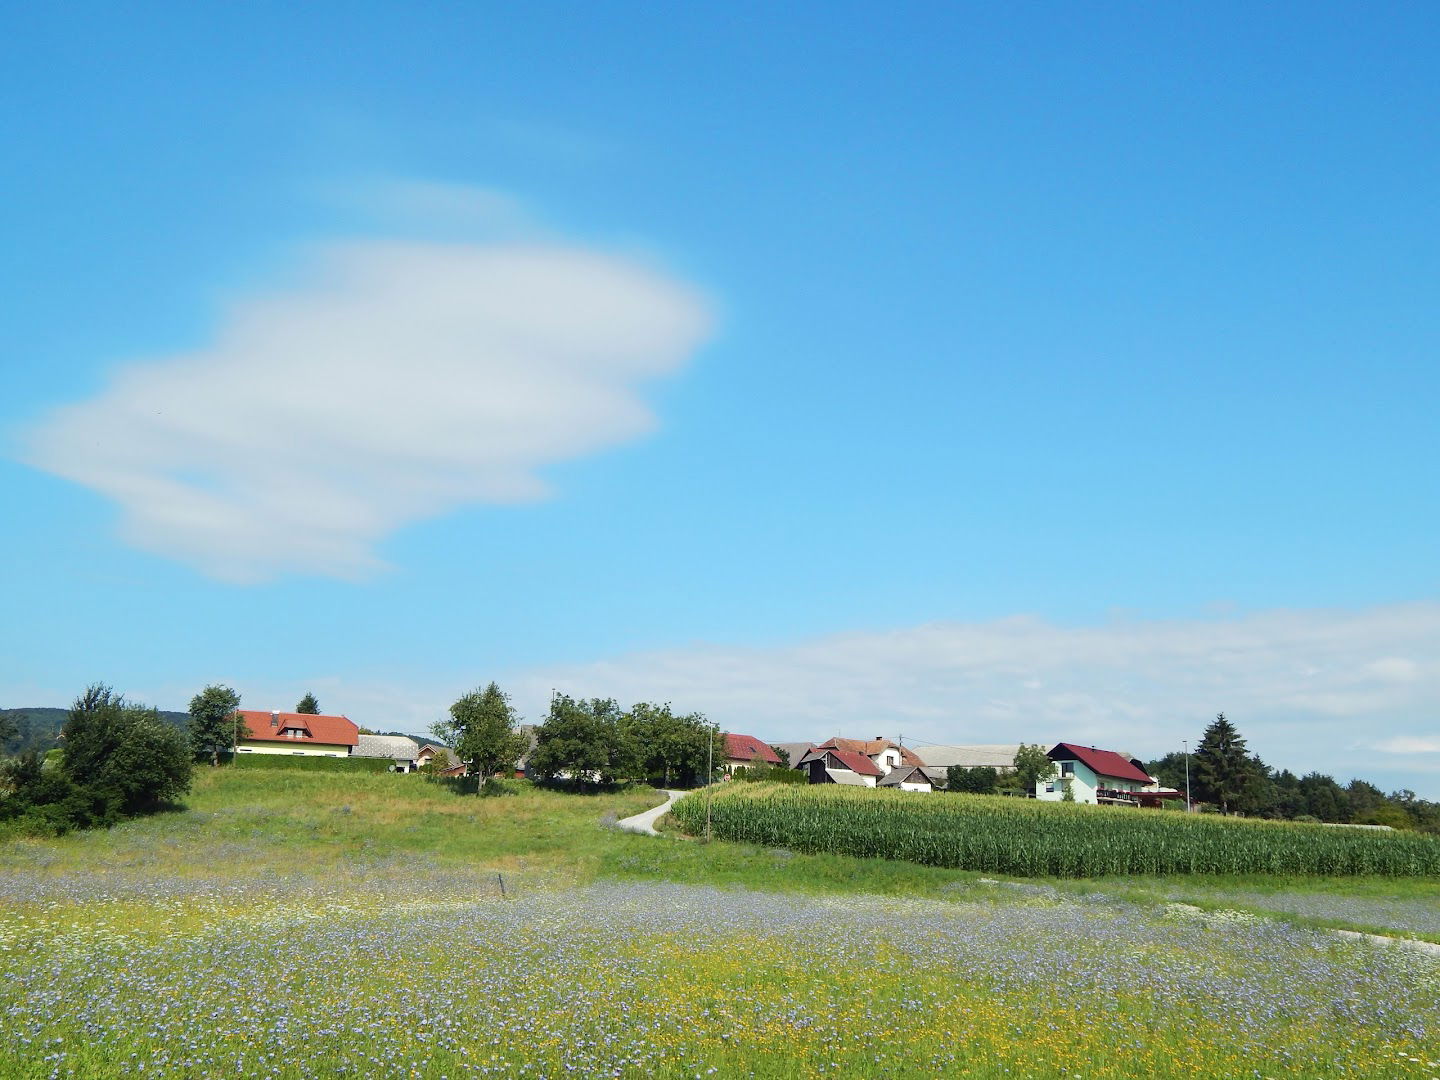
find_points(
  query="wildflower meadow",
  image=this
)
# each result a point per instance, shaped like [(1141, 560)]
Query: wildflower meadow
[(304, 946)]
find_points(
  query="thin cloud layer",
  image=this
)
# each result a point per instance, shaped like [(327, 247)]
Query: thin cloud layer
[(399, 382), (1345, 692)]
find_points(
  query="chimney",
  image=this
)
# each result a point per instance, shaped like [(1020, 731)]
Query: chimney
[(274, 718)]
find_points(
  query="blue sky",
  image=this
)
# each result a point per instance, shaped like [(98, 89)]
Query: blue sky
[(973, 373)]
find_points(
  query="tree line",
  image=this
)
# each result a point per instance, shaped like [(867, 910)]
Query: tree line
[(582, 741), (1227, 776)]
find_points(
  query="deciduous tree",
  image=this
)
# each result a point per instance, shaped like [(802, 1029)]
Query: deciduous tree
[(481, 728), (976, 780), (584, 741), (213, 725), (669, 746), (123, 755), (1032, 765)]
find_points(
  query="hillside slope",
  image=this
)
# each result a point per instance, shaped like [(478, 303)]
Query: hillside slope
[(37, 727)]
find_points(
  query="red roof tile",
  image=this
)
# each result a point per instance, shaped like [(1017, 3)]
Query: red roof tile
[(329, 730), (1101, 762), (855, 762), (873, 747), (747, 747)]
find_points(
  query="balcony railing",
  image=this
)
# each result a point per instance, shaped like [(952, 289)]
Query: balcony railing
[(1117, 795)]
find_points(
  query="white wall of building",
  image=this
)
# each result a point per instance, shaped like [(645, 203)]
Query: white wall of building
[(312, 750)]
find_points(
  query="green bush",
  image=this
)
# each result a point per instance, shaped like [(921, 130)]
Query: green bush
[(770, 774), (1028, 837), (305, 763)]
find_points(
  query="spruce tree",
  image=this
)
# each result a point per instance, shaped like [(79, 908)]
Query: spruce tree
[(1224, 772), (308, 705)]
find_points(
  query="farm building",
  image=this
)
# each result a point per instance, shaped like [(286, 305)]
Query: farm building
[(1093, 776), (792, 752), (403, 752), (939, 759), (743, 751), (907, 778), (295, 733), (827, 765)]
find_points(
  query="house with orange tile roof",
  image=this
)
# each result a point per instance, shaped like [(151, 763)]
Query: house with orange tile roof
[(300, 734), (743, 751), (885, 754)]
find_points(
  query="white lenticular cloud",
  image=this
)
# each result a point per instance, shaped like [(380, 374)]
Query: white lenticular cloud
[(399, 382)]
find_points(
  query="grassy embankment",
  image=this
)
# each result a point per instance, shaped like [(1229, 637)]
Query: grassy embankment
[(307, 925)]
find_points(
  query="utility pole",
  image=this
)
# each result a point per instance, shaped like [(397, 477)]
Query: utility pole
[(1188, 807), (709, 776)]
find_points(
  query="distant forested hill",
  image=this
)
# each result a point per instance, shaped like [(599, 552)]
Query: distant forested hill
[(37, 728)]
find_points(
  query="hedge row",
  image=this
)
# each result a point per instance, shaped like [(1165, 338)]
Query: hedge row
[(306, 763)]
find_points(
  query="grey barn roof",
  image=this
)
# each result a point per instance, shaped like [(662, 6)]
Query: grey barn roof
[(796, 750), (397, 747), (905, 774), (997, 756)]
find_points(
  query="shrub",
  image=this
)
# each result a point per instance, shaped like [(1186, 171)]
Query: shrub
[(761, 773)]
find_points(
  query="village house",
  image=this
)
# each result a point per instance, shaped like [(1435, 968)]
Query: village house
[(744, 751), (1093, 776), (883, 753), (295, 734), (429, 751)]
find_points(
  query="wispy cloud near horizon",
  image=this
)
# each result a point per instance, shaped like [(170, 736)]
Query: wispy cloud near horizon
[(399, 381), (1340, 690)]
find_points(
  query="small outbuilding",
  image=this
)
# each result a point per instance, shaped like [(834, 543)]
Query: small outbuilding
[(907, 778)]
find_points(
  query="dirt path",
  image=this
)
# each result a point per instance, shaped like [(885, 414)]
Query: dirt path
[(645, 823)]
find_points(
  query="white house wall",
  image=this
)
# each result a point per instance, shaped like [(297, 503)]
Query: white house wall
[(1083, 785), (312, 750)]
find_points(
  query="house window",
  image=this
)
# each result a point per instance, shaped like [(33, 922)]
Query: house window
[(1049, 789), (1067, 768)]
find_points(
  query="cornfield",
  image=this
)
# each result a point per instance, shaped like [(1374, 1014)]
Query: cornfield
[(1026, 837)]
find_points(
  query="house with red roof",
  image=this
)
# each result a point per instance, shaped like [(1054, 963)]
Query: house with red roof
[(298, 734), (886, 755), (830, 765), (743, 751), (1093, 776)]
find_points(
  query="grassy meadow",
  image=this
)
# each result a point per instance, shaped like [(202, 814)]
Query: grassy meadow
[(295, 924)]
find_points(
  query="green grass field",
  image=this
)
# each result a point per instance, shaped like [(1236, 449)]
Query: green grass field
[(294, 924)]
